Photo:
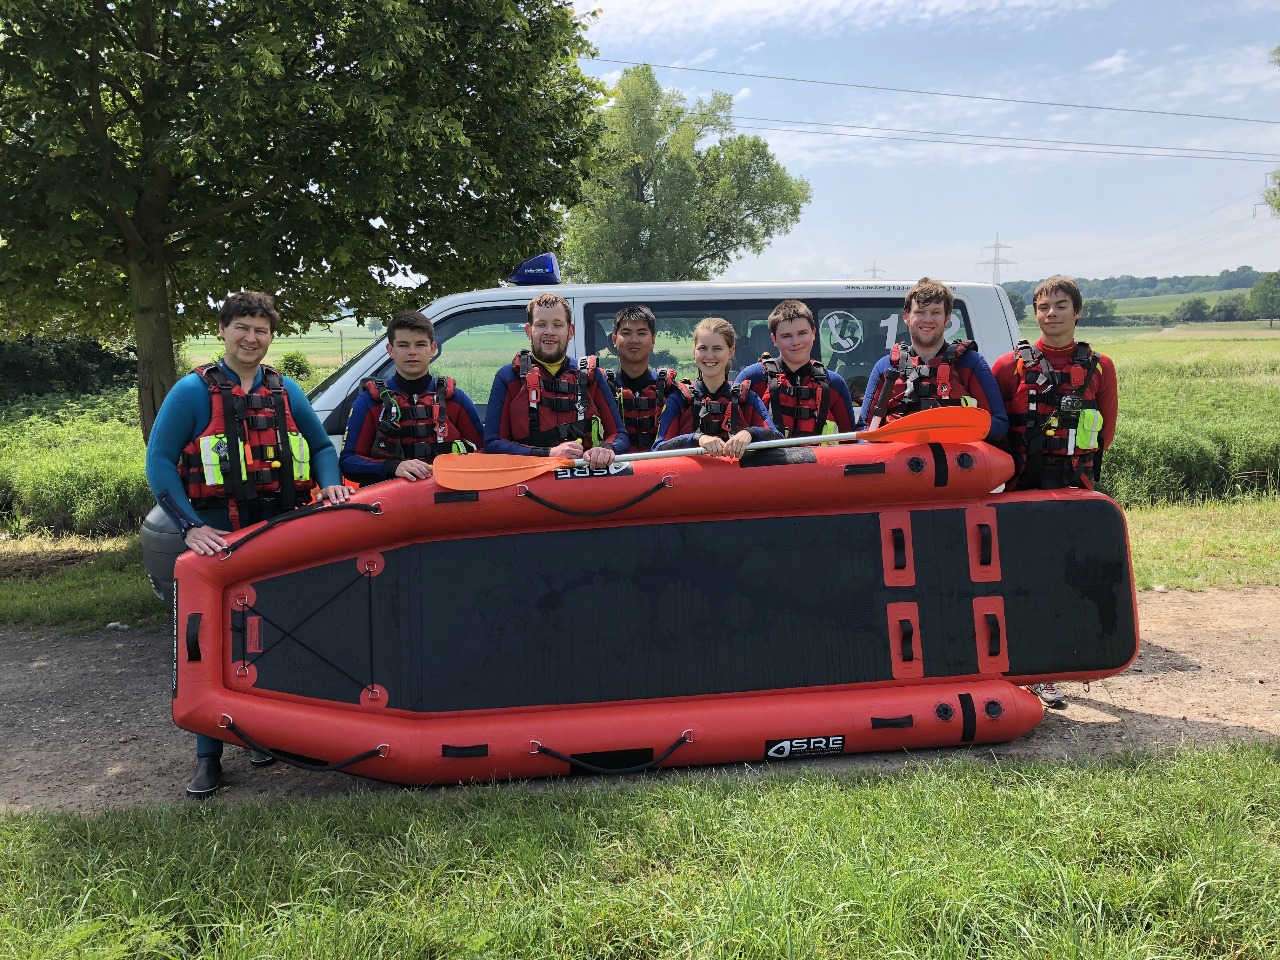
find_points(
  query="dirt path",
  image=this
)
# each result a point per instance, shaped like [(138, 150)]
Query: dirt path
[(88, 726)]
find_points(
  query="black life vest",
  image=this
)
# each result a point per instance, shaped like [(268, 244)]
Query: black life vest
[(1049, 450), (799, 409), (717, 417), (912, 384), (642, 410), (412, 430), (559, 406), (251, 455)]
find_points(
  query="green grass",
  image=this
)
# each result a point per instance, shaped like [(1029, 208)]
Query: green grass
[(1174, 856), (76, 583), (1226, 545), (1165, 305)]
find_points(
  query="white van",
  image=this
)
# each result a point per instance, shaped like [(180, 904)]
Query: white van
[(858, 322), (479, 332)]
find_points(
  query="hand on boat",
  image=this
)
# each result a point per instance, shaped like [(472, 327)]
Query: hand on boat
[(414, 470), (335, 494), (205, 540), (737, 444)]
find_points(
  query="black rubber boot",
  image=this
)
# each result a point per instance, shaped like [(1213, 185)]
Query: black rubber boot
[(260, 759), (204, 782)]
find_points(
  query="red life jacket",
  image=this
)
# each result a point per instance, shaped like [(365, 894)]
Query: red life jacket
[(799, 409), (911, 384), (642, 410), (255, 431), (409, 430), (1044, 410), (559, 407), (717, 417)]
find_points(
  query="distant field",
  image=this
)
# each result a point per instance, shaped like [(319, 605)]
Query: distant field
[(1163, 306)]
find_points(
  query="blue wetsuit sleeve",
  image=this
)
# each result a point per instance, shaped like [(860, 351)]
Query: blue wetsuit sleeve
[(670, 423), (497, 417), (768, 431), (614, 435), (991, 390), (358, 441), (473, 418), (181, 418), (873, 384), (842, 405), (324, 458)]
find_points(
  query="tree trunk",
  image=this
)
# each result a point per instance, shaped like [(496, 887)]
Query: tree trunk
[(153, 333)]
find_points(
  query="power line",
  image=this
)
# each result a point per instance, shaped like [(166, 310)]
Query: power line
[(936, 93), (991, 136), (1016, 146), (875, 271)]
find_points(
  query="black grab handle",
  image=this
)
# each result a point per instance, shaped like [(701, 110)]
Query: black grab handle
[(293, 761), (592, 768)]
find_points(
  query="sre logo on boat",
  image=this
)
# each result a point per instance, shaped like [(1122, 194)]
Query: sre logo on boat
[(803, 747)]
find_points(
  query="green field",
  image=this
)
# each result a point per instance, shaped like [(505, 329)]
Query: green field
[(1164, 306)]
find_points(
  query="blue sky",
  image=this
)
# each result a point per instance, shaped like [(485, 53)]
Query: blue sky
[(930, 208)]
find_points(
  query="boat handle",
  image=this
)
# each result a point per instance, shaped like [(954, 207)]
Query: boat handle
[(227, 723), (524, 491), (538, 747)]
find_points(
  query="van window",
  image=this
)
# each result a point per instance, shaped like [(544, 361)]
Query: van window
[(853, 333), (470, 347)]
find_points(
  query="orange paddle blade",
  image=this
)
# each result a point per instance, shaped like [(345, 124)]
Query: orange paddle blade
[(490, 471), (936, 425)]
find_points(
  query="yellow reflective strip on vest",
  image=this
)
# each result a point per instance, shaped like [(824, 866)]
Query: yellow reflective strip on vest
[(301, 456), (211, 458)]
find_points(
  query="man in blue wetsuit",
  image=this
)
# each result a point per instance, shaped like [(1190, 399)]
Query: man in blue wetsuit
[(546, 403), (399, 425), (234, 443)]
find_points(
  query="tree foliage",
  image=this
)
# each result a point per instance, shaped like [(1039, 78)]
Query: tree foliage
[(1019, 304), (1097, 309), (678, 196), (360, 154), (1234, 306), (1191, 310), (1264, 298), (1127, 286)]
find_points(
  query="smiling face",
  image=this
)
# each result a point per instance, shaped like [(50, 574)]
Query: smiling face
[(794, 340), (712, 354), (1057, 316), (927, 325), (549, 333), (246, 340)]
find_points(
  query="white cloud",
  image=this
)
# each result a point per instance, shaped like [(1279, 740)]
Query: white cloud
[(1118, 62), (728, 18), (742, 94), (696, 59)]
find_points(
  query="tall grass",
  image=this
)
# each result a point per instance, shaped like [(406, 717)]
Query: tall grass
[(1138, 857)]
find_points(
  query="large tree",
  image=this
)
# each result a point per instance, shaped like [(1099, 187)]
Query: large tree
[(678, 196), (357, 154), (1264, 298)]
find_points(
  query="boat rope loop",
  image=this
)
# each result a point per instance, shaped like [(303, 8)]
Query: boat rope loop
[(293, 760), (523, 491), (685, 737), (278, 519), (238, 628)]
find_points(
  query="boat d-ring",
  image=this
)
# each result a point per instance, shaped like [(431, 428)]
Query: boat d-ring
[(521, 489), (668, 481), (225, 721), (536, 745)]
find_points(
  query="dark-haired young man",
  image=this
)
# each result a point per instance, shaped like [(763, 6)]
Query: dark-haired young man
[(234, 443), (931, 372), (1062, 402), (802, 396), (546, 403), (640, 391), (399, 425)]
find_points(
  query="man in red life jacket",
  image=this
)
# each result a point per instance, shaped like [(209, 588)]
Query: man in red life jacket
[(931, 372), (546, 403), (640, 391), (1061, 399), (803, 397), (234, 443), (399, 425)]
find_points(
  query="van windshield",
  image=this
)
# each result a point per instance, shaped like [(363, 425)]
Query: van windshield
[(852, 333)]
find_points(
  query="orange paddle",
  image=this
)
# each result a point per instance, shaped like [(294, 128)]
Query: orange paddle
[(492, 471)]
